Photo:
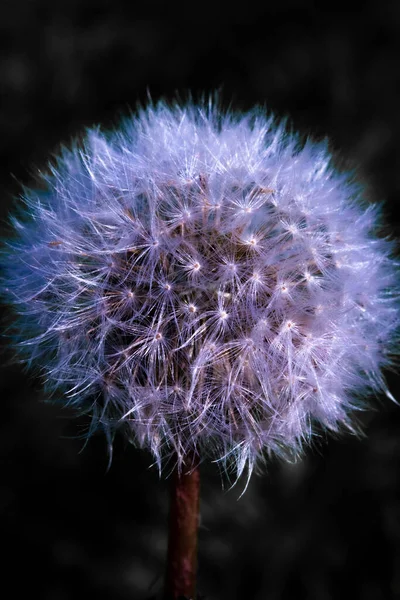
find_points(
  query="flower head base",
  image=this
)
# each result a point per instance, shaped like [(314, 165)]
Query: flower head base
[(206, 280)]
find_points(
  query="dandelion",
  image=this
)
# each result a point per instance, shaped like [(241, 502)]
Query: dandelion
[(206, 282)]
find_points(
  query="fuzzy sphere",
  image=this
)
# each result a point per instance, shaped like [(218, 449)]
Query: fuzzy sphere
[(207, 280)]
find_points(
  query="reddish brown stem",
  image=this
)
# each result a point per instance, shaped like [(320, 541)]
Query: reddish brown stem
[(183, 527)]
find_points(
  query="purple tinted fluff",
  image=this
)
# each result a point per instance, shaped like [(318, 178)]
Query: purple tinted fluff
[(207, 281)]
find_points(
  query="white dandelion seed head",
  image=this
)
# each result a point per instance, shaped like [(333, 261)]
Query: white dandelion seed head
[(206, 280)]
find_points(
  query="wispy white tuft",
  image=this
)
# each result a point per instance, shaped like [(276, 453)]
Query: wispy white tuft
[(208, 281)]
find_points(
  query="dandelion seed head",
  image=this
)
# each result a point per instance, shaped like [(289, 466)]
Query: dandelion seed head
[(204, 281)]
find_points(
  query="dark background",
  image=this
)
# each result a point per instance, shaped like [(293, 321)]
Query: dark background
[(326, 528)]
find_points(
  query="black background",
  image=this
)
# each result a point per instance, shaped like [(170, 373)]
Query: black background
[(325, 528)]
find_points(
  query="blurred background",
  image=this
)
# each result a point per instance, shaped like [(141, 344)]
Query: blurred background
[(326, 528)]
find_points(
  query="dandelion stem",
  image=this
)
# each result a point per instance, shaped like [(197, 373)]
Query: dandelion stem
[(183, 528)]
